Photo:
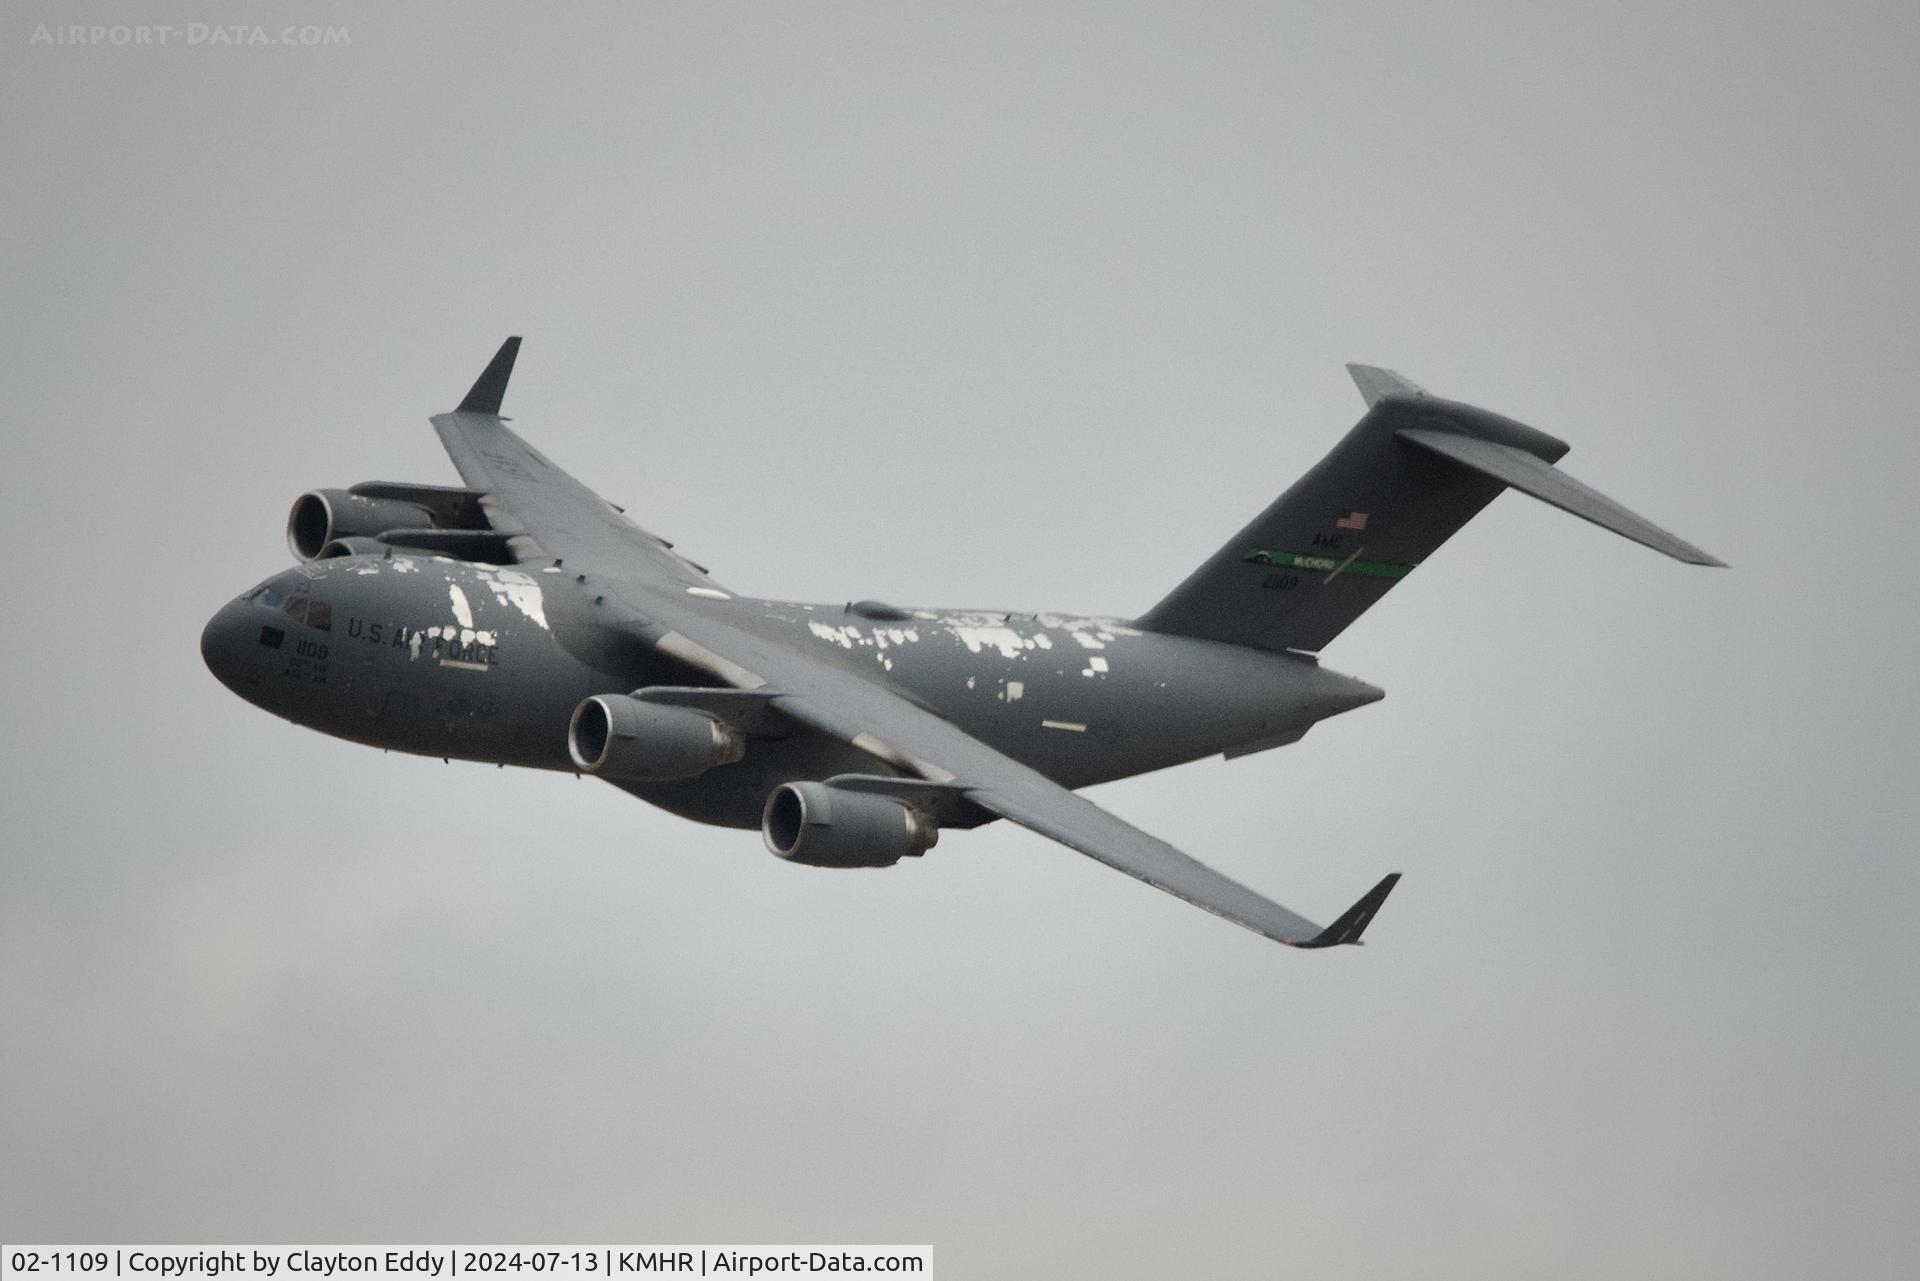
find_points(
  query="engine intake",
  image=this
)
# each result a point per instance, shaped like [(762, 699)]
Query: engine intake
[(825, 826), (627, 739)]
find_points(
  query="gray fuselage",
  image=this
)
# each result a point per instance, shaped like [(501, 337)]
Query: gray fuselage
[(449, 658)]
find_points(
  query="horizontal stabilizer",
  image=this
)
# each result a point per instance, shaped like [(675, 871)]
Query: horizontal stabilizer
[(1376, 383), (1533, 475), (1354, 921), (491, 387)]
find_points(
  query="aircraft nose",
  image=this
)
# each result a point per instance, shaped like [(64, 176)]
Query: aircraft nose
[(223, 645)]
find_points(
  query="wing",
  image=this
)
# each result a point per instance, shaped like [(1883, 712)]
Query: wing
[(852, 707), (528, 495), (629, 568)]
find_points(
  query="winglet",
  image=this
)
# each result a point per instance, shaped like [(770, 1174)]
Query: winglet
[(1375, 383), (1351, 925), (491, 387)]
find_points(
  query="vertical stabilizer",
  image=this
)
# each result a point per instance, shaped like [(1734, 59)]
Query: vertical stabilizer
[(1411, 472)]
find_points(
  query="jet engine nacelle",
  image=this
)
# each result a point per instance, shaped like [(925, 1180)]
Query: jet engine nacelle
[(485, 547), (630, 740), (338, 547), (826, 826), (369, 509)]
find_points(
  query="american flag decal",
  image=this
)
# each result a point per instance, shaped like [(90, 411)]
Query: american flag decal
[(1352, 520)]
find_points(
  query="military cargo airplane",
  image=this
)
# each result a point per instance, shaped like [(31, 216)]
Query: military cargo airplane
[(521, 619)]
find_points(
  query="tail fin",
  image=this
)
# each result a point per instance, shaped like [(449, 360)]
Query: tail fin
[(1411, 472)]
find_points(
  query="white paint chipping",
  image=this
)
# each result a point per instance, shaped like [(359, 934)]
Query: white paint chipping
[(462, 611), (845, 637), (1016, 690), (511, 587), (979, 639)]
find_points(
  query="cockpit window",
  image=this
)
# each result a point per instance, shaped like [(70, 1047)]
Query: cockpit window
[(317, 614), (273, 591)]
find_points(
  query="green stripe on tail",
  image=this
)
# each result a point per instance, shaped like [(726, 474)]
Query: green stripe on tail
[(1327, 564)]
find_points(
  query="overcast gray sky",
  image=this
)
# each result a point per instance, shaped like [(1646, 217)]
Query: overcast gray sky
[(985, 305)]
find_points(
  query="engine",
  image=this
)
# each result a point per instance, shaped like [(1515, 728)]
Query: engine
[(486, 547), (338, 547), (826, 826), (373, 508), (630, 740)]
